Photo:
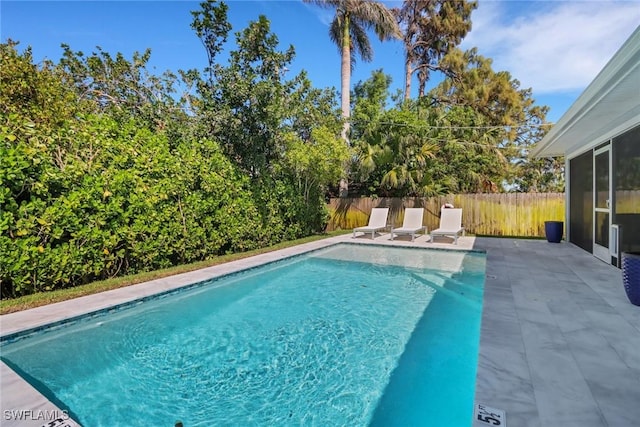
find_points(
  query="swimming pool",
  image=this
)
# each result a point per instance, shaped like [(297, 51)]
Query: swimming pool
[(347, 335)]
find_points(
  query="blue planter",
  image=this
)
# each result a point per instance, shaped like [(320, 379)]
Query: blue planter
[(631, 276), (553, 231)]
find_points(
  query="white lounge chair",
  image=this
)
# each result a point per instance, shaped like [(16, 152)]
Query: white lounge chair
[(450, 224), (377, 222), (412, 223)]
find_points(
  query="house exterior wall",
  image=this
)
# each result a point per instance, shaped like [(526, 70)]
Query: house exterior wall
[(603, 122), (624, 194), (626, 188)]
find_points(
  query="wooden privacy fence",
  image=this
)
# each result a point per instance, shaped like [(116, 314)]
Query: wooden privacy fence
[(503, 214)]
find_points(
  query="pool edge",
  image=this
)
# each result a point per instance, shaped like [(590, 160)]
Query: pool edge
[(30, 400)]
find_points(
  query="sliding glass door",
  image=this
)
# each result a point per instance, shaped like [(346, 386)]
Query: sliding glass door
[(602, 203)]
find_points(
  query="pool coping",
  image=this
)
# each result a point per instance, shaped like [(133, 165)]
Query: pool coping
[(52, 315), (25, 406)]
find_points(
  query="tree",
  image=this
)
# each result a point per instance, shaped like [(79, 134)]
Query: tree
[(86, 196), (317, 161), (471, 158), (474, 83), (417, 149), (243, 104), (369, 104), (506, 108), (34, 92), (212, 28), (267, 123), (431, 28), (544, 174), (92, 185), (349, 32), (394, 153), (121, 87)]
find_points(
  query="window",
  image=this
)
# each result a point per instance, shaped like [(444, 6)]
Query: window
[(581, 201)]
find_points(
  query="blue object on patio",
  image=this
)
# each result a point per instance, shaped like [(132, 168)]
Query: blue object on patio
[(631, 276), (553, 231)]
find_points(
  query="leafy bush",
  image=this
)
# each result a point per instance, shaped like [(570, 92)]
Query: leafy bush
[(103, 199), (88, 193)]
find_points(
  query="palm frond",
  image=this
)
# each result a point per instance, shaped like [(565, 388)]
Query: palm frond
[(390, 179), (360, 44), (375, 15), (335, 32), (327, 4)]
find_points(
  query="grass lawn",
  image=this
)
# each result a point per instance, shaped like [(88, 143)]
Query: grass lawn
[(44, 298)]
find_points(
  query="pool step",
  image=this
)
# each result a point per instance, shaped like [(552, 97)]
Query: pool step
[(445, 283), (470, 299)]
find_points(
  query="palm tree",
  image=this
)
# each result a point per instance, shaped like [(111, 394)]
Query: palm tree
[(349, 32)]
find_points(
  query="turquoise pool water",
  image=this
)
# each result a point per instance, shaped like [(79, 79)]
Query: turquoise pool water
[(350, 335)]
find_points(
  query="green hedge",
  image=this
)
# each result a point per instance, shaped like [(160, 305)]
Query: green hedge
[(88, 193), (96, 198)]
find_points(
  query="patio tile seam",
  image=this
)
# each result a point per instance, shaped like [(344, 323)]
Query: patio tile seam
[(564, 333), (585, 375), (521, 343)]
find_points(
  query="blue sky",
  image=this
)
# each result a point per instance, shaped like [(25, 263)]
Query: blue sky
[(554, 47)]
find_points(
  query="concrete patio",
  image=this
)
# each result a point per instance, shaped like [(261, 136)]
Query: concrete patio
[(560, 343)]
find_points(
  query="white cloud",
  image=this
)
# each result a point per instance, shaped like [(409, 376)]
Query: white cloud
[(552, 46), (325, 15)]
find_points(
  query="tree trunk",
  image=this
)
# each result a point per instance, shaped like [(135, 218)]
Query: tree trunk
[(423, 77), (345, 76), (407, 78), (421, 91)]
